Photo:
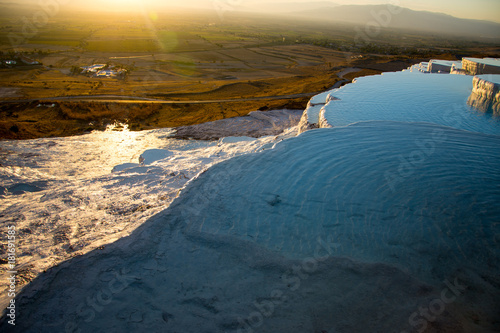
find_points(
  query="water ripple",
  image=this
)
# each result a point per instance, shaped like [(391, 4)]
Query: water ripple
[(336, 182)]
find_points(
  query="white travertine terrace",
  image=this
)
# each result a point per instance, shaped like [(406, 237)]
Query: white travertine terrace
[(485, 94), (477, 66), (442, 66), (353, 228)]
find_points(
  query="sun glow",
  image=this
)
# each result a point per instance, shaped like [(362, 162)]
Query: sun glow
[(122, 5), (131, 5)]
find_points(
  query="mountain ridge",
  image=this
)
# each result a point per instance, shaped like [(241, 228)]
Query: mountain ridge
[(395, 17)]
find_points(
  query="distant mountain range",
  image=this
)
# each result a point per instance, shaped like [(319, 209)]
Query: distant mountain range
[(403, 18), (288, 7)]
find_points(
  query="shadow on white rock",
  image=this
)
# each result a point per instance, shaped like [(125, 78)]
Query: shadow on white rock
[(153, 155)]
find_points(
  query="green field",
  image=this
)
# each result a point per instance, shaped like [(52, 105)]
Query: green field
[(171, 33), (126, 45)]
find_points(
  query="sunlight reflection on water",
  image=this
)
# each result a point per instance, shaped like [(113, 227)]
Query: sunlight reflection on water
[(89, 155)]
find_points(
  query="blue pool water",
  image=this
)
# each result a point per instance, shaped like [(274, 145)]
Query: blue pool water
[(410, 97)]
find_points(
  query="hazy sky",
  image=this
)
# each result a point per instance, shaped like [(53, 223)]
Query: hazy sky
[(474, 9)]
